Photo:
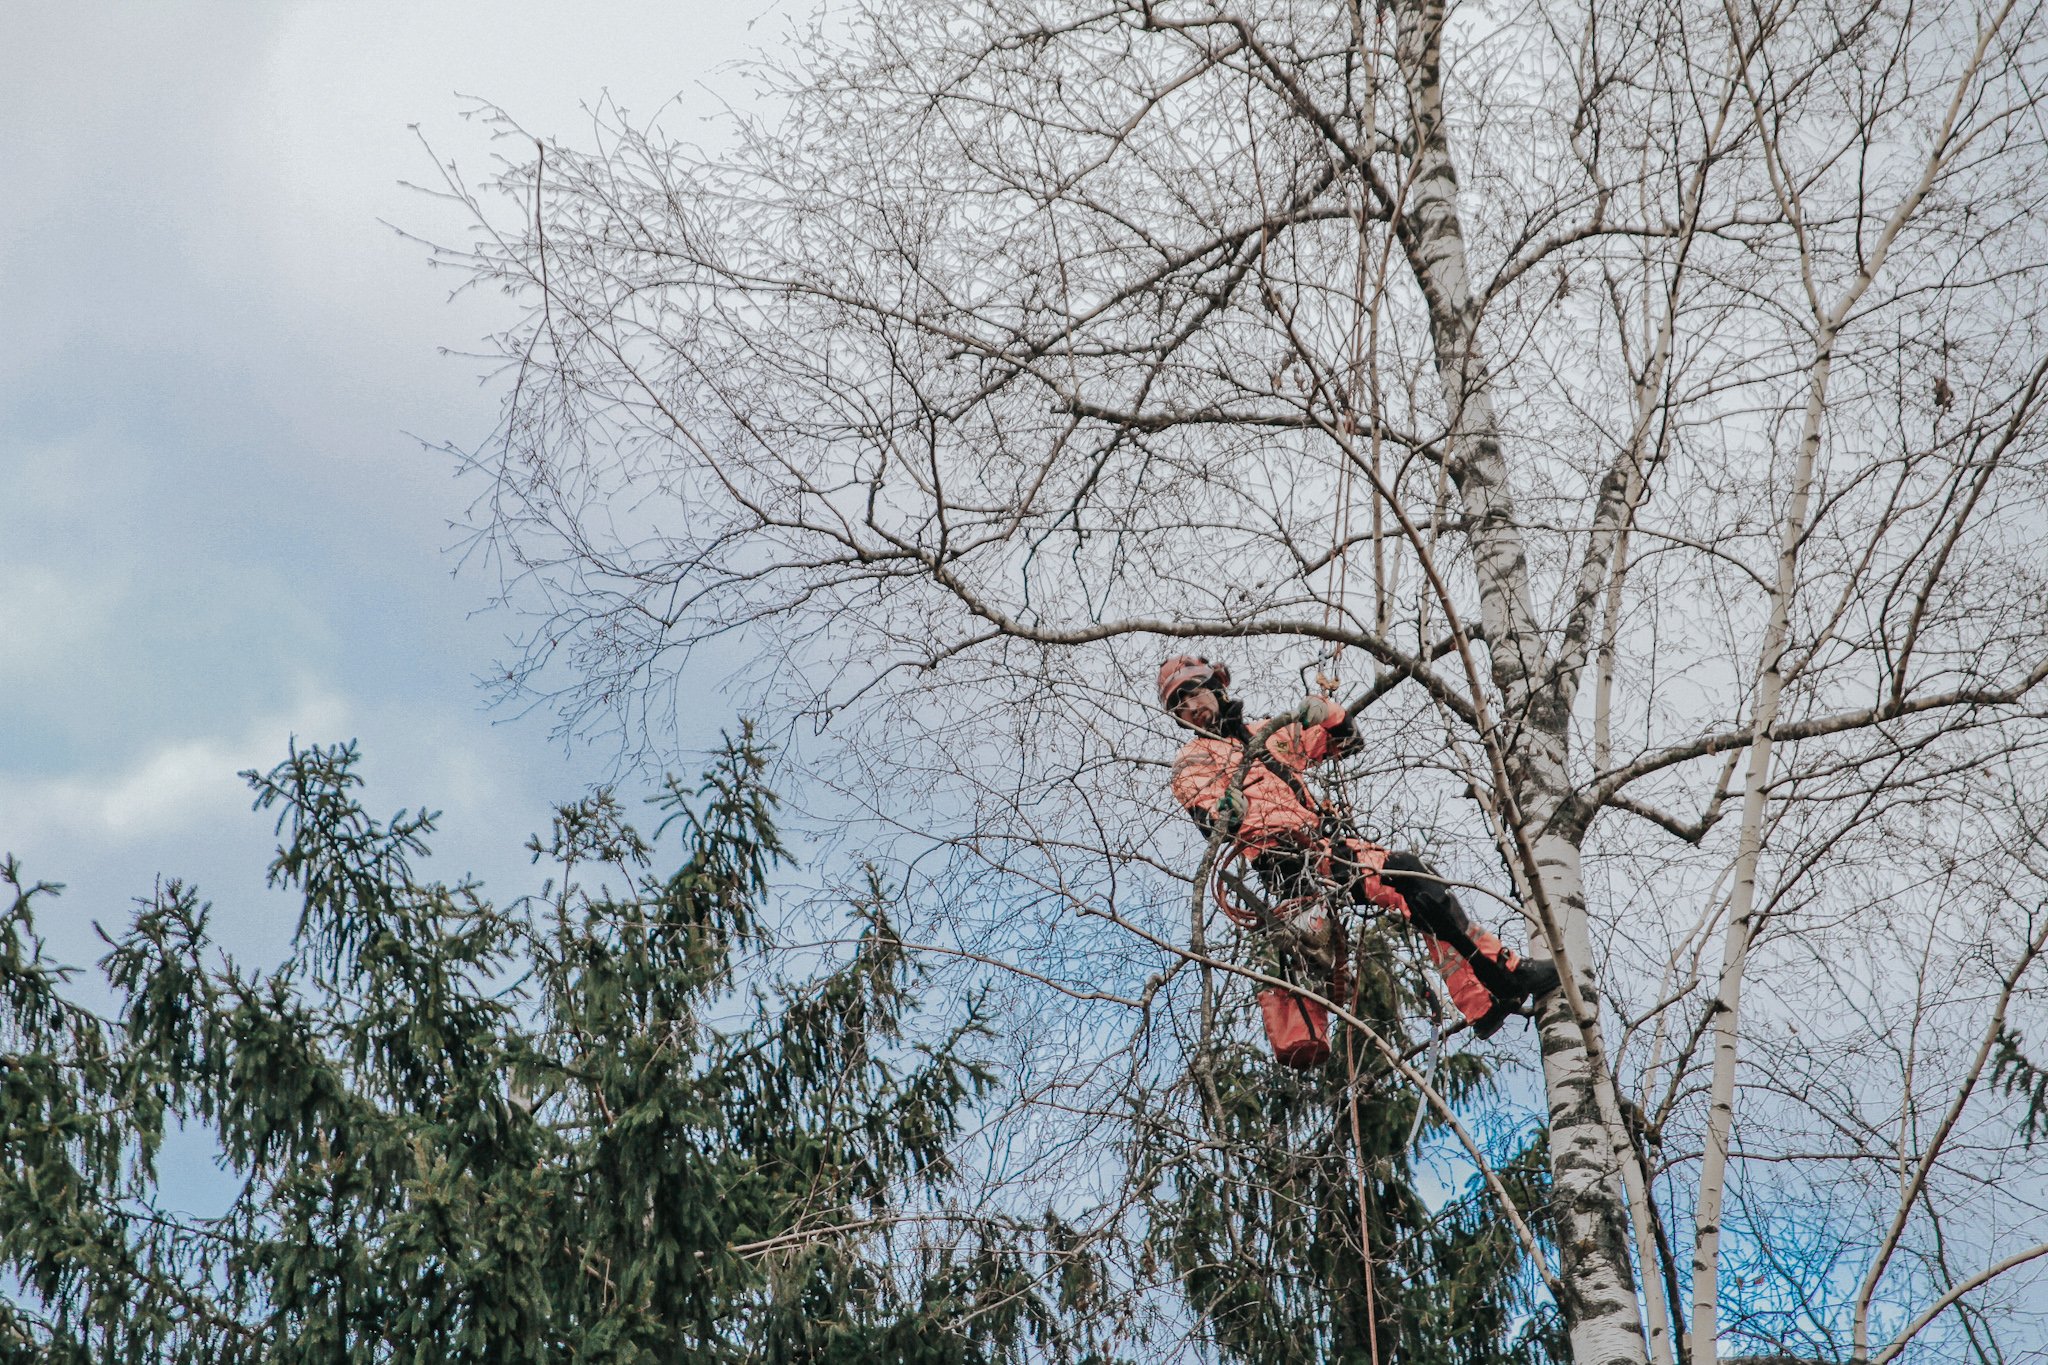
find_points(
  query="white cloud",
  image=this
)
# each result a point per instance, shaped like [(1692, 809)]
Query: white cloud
[(48, 619), (323, 129), (212, 355), (181, 785)]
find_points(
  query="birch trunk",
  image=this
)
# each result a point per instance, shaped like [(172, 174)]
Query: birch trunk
[(1771, 684), (1586, 1151), (1601, 1308)]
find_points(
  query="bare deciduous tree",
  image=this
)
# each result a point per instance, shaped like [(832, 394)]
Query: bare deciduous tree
[(1653, 394)]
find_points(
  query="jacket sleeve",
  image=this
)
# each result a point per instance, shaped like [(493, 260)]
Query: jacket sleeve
[(1318, 743), (1199, 780)]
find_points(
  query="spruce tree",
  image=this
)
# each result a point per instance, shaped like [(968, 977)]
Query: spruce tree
[(549, 1130)]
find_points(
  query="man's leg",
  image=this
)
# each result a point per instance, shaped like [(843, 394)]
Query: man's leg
[(1486, 980)]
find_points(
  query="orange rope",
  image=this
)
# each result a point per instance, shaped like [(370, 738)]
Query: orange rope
[(1243, 916)]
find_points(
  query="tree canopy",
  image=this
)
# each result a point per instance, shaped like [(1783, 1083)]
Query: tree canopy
[(561, 1129), (1639, 407)]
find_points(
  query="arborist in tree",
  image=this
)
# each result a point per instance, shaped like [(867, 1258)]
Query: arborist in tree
[(1296, 845)]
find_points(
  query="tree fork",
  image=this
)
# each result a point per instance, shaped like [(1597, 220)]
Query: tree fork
[(1601, 1309)]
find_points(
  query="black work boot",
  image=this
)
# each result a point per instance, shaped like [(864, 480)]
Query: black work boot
[(1488, 1024), (1535, 977), (1530, 981)]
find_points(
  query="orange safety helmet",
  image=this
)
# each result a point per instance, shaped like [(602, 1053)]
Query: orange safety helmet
[(1183, 671)]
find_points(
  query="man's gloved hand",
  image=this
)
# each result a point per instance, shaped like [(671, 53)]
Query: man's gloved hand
[(1319, 711), (1230, 807)]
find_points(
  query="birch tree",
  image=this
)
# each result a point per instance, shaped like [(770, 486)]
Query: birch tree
[(1640, 408)]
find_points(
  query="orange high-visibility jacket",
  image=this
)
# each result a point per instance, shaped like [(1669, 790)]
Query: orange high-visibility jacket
[(1207, 764)]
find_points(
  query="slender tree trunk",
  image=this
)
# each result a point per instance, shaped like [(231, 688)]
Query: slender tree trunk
[(1771, 684), (1742, 900), (1601, 1311)]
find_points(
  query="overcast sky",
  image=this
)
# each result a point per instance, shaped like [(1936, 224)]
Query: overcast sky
[(218, 525)]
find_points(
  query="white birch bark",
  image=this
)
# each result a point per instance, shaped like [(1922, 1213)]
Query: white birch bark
[(1586, 1150), (1705, 1328)]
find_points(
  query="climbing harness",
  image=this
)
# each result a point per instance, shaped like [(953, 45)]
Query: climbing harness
[(1297, 1027)]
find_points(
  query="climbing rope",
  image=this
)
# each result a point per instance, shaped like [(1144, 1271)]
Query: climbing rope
[(1363, 374), (1347, 472), (1364, 365), (1372, 1314)]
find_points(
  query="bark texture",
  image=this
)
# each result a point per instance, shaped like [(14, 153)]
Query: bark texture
[(1535, 700)]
